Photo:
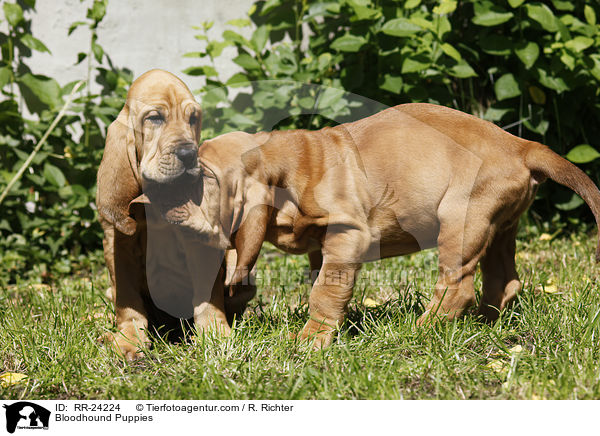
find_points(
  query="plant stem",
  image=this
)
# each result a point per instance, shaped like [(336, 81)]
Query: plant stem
[(86, 113), (41, 142)]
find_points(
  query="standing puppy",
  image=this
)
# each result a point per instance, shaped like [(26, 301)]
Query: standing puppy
[(408, 178), (160, 273)]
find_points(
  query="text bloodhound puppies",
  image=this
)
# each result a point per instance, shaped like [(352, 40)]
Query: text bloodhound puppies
[(408, 178), (159, 272)]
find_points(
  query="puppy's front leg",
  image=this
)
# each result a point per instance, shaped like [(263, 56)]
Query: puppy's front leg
[(209, 315), (205, 266), (128, 276)]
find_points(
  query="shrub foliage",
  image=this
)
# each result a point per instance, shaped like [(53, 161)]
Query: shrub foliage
[(531, 67), (48, 218)]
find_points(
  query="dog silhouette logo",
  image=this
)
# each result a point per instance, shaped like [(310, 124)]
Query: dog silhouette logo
[(26, 415)]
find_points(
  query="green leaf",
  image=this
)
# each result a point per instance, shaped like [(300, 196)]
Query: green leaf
[(97, 11), (4, 76), (445, 7), (47, 90), (391, 83), (527, 52), (537, 124), (556, 83), (400, 27), (568, 60), (239, 22), (487, 14), (595, 70), (54, 175), (573, 203), (215, 48), (80, 57), (348, 43), (204, 70), (329, 97), (194, 54), (463, 70), (215, 96), (579, 43), (269, 6), (322, 9), (543, 15), (259, 38), (234, 37), (13, 13), (506, 87), (441, 26), (590, 15), (98, 51), (34, 43), (74, 26), (495, 114), (415, 64), (515, 3), (247, 62), (451, 51), (410, 4), (238, 79), (563, 5), (241, 121), (583, 153), (324, 61), (363, 10)]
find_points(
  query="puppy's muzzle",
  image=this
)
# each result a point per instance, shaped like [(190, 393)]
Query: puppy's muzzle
[(188, 155)]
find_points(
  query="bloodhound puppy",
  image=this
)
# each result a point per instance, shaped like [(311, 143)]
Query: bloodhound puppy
[(160, 273), (409, 178)]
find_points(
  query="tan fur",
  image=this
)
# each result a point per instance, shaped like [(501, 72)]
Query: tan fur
[(143, 250), (408, 178)]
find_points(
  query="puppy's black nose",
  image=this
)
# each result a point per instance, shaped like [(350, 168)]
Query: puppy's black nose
[(188, 154)]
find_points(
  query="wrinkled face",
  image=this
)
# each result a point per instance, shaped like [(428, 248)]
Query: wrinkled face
[(167, 123)]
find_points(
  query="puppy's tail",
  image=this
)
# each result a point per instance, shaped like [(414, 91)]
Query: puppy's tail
[(543, 162)]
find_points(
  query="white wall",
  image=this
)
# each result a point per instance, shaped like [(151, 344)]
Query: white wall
[(137, 34)]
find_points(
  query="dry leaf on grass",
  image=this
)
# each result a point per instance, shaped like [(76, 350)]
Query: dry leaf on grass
[(369, 302), (516, 349), (550, 289), (11, 378), (41, 287), (498, 366)]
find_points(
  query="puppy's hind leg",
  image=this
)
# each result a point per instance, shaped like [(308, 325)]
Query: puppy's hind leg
[(461, 242), (500, 279)]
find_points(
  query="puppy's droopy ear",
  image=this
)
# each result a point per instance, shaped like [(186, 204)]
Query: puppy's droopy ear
[(117, 181)]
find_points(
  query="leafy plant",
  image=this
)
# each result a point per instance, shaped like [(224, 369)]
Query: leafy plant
[(531, 67), (48, 218)]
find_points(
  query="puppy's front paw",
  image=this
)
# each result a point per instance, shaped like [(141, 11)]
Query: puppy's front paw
[(128, 348), (209, 318), (217, 326), (129, 351)]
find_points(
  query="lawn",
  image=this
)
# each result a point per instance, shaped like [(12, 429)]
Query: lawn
[(545, 347)]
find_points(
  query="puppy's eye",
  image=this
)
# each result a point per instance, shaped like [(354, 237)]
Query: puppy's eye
[(155, 118), (193, 119)]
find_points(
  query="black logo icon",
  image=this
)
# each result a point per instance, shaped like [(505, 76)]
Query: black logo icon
[(26, 415)]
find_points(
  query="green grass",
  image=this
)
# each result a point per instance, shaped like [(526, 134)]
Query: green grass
[(51, 335)]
